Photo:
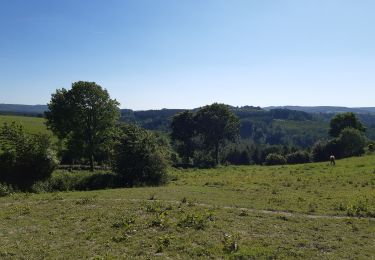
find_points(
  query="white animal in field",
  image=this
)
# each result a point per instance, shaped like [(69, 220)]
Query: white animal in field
[(332, 159)]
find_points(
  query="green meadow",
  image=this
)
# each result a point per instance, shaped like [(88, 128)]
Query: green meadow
[(310, 211), (30, 124)]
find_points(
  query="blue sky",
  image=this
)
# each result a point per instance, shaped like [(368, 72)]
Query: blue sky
[(189, 53)]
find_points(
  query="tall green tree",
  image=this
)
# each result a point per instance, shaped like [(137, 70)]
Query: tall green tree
[(183, 132), (85, 115), (141, 157), (351, 142), (217, 124), (342, 121)]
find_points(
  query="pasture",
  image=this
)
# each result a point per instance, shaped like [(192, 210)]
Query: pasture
[(30, 124), (309, 211)]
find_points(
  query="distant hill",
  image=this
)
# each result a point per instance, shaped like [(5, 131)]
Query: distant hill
[(289, 125), (327, 109), (23, 109), (39, 109)]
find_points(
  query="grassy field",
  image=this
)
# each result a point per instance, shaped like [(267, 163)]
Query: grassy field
[(312, 211), (30, 124)]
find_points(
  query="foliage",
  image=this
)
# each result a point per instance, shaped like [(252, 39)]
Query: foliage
[(342, 121), (204, 159), (319, 151), (298, 157), (24, 158), (275, 159), (371, 147), (140, 158), (217, 124), (350, 142), (207, 130), (85, 115), (238, 157), (5, 190), (62, 180), (183, 131)]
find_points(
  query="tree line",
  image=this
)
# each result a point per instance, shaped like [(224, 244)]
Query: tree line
[(86, 122)]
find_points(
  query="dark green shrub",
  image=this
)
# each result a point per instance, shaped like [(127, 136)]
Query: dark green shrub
[(352, 142), (140, 158), (275, 159), (5, 190), (298, 157), (77, 180), (24, 158), (238, 157), (371, 147), (204, 159), (322, 150)]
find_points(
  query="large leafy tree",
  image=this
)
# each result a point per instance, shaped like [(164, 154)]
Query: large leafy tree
[(85, 115), (183, 131), (141, 157), (351, 142), (217, 124), (342, 121)]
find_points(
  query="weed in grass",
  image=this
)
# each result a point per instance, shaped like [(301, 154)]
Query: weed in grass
[(57, 196), (160, 220), (163, 242), (243, 213), (5, 190), (120, 238), (197, 221), (85, 201), (312, 207), (282, 217), (25, 210), (339, 206), (124, 223), (359, 208), (230, 243), (157, 207)]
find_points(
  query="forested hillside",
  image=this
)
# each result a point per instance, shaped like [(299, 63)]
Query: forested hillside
[(291, 125)]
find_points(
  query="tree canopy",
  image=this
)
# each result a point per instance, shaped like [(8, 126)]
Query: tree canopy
[(211, 125), (84, 115), (183, 131), (140, 157), (342, 121)]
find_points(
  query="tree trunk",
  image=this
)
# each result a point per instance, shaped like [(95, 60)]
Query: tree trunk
[(92, 163), (217, 154)]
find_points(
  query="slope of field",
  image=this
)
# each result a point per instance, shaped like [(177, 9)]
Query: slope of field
[(306, 211), (30, 124)]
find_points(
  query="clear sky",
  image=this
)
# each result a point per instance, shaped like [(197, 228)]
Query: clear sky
[(189, 53)]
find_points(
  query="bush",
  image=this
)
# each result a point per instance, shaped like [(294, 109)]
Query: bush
[(322, 150), (5, 190), (371, 147), (298, 157), (82, 180), (140, 157), (24, 158), (275, 159), (352, 142), (238, 157), (204, 159)]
